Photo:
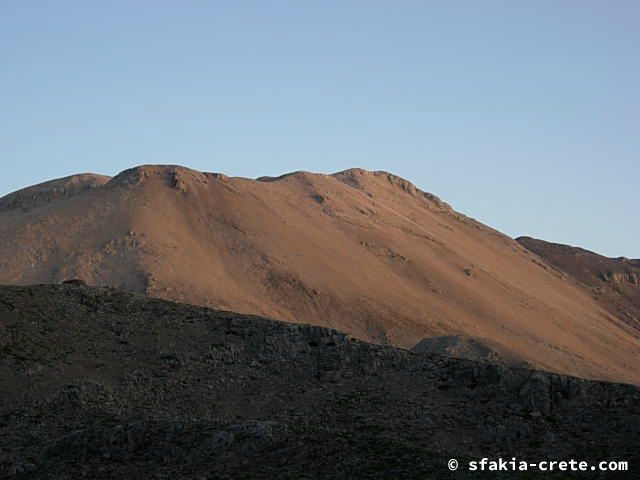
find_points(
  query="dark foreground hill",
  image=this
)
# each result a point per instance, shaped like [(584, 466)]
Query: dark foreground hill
[(97, 383)]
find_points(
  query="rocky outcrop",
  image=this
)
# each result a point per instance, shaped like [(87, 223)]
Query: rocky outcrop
[(359, 178), (631, 278), (470, 348)]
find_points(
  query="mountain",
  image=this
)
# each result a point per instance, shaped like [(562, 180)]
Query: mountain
[(97, 383), (366, 253), (614, 282)]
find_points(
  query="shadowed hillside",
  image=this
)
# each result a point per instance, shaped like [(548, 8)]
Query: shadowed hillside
[(98, 383)]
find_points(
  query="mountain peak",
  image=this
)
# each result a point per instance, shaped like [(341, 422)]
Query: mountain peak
[(52, 190), (364, 252), (361, 179)]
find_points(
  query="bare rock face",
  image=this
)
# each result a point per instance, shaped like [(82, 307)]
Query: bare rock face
[(631, 278), (97, 383)]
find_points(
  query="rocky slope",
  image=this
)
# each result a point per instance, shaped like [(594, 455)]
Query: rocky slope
[(363, 252), (480, 349), (613, 282), (97, 383)]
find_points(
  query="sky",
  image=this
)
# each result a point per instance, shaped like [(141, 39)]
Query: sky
[(522, 114)]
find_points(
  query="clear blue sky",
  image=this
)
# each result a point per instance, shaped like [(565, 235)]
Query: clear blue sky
[(523, 114)]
